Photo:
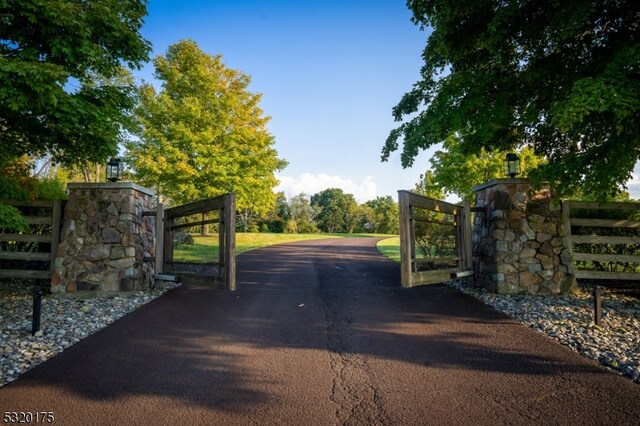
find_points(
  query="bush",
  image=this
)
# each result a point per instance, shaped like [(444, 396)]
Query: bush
[(291, 227), (12, 220), (183, 239), (50, 189), (305, 227)]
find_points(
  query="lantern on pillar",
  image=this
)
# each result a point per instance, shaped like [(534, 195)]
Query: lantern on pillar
[(114, 169), (512, 165)]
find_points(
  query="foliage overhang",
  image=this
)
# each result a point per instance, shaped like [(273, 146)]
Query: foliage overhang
[(561, 77)]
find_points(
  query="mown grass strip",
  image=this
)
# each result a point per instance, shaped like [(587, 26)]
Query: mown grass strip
[(205, 249), (390, 247)]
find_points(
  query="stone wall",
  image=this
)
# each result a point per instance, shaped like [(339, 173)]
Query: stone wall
[(518, 240), (106, 244)]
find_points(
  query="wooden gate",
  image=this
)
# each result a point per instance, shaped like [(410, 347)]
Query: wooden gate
[(435, 240), (223, 272)]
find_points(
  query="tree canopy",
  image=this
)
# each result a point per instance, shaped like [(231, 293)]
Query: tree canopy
[(428, 187), (302, 214), (384, 216), (60, 67), (458, 172), (336, 210), (203, 134), (559, 76)]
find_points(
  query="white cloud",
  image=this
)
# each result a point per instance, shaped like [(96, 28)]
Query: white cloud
[(633, 185), (311, 184)]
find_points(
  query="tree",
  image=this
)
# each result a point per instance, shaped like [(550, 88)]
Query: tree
[(366, 222), (428, 187), (561, 77), (203, 134), (335, 210), (384, 215), (456, 172), (61, 64), (276, 219), (302, 214)]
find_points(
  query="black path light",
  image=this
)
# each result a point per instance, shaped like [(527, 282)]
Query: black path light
[(512, 165), (114, 169)]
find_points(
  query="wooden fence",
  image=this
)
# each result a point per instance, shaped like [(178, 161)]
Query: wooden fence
[(594, 239), (442, 214), (226, 207), (31, 257)]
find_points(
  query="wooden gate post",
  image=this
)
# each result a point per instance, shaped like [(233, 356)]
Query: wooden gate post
[(230, 241), (159, 261), (467, 243), (56, 221), (405, 238), (167, 246)]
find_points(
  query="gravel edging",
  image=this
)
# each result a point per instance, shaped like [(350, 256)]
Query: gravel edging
[(569, 320), (64, 322)]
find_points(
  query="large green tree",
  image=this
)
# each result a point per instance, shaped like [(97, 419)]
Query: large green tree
[(60, 63), (384, 217), (203, 134), (428, 187), (560, 76), (458, 172), (336, 210)]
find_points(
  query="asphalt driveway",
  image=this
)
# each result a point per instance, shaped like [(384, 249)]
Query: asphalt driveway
[(320, 333)]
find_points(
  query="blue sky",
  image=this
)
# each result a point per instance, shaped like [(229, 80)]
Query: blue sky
[(330, 72)]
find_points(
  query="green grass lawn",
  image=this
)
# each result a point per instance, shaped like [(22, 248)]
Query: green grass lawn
[(205, 249), (390, 247)]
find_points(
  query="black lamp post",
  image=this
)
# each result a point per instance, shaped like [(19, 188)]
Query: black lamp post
[(114, 168), (512, 165)]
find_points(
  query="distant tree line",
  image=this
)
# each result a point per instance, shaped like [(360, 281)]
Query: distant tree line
[(331, 210)]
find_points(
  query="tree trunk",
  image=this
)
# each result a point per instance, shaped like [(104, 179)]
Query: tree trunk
[(205, 227)]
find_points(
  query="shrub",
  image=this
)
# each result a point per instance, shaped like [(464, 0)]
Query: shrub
[(183, 239), (306, 227), (50, 189), (291, 227), (12, 220)]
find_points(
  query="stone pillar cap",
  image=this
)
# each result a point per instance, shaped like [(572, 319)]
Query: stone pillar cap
[(111, 185), (507, 181)]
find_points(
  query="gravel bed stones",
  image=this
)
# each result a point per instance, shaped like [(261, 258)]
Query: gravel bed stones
[(64, 322), (569, 320)]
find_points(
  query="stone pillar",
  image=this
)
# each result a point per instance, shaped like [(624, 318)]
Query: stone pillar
[(106, 244), (519, 243)]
